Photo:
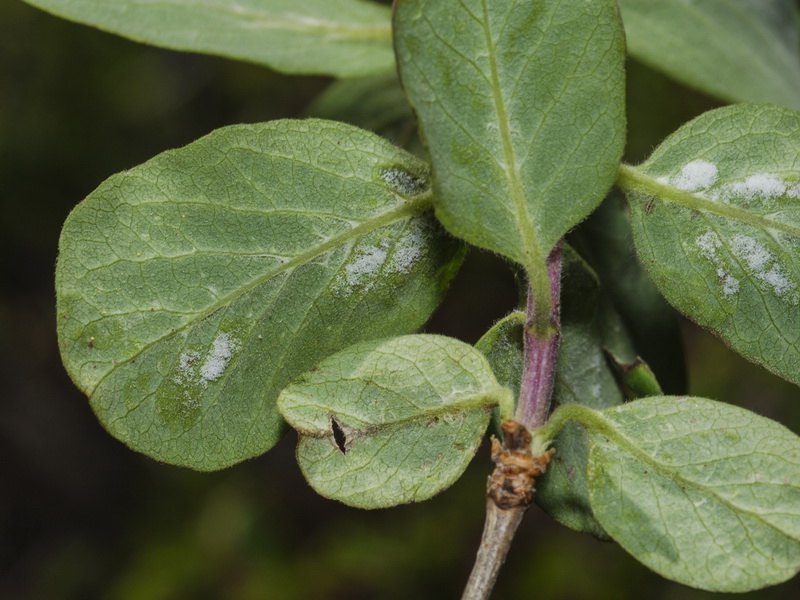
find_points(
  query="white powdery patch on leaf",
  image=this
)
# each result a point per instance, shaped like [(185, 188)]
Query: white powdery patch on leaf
[(765, 267), (373, 262), (368, 261), (760, 186), (709, 244), (404, 182), (696, 175), (193, 372), (217, 359)]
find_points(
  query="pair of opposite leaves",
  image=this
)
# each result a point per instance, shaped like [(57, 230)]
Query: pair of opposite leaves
[(177, 382)]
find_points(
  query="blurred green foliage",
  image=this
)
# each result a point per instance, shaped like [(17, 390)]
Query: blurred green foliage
[(82, 517)]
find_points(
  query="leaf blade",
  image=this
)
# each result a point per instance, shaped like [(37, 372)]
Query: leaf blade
[(738, 50), (344, 38), (410, 414), (720, 195), (701, 492), (191, 289), (504, 160)]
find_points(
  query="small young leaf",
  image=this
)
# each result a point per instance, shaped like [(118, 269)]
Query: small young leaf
[(636, 378), (738, 50), (391, 421), (716, 221), (502, 346), (702, 492), (344, 38), (193, 288), (521, 106)]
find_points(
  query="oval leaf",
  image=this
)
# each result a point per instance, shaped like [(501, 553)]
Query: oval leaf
[(702, 492), (344, 38), (738, 50), (193, 288), (716, 220), (394, 421), (521, 106)]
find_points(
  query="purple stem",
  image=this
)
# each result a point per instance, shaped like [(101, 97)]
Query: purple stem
[(541, 352)]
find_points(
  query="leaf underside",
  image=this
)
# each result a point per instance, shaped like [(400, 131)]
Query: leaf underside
[(343, 38), (193, 288), (391, 421), (716, 221), (521, 107), (704, 493)]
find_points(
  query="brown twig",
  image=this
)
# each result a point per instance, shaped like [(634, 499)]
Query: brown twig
[(509, 493)]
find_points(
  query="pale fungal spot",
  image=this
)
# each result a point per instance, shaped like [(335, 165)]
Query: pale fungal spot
[(403, 181), (195, 369), (709, 244), (696, 175), (760, 185), (764, 266), (765, 187), (216, 361), (368, 261), (385, 259), (761, 264)]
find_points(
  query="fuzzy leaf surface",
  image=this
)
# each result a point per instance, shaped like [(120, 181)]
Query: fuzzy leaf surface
[(716, 221), (702, 492), (391, 421), (737, 50), (343, 38), (191, 289), (521, 107)]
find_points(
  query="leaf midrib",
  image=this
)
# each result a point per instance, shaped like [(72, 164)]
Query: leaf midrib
[(530, 240), (631, 178), (417, 205), (484, 400)]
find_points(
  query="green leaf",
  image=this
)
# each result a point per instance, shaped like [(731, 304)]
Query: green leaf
[(193, 288), (391, 421), (344, 38), (502, 345), (636, 378), (738, 50), (702, 492), (716, 221), (521, 106)]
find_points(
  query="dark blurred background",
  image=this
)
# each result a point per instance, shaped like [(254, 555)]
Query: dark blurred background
[(83, 517)]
